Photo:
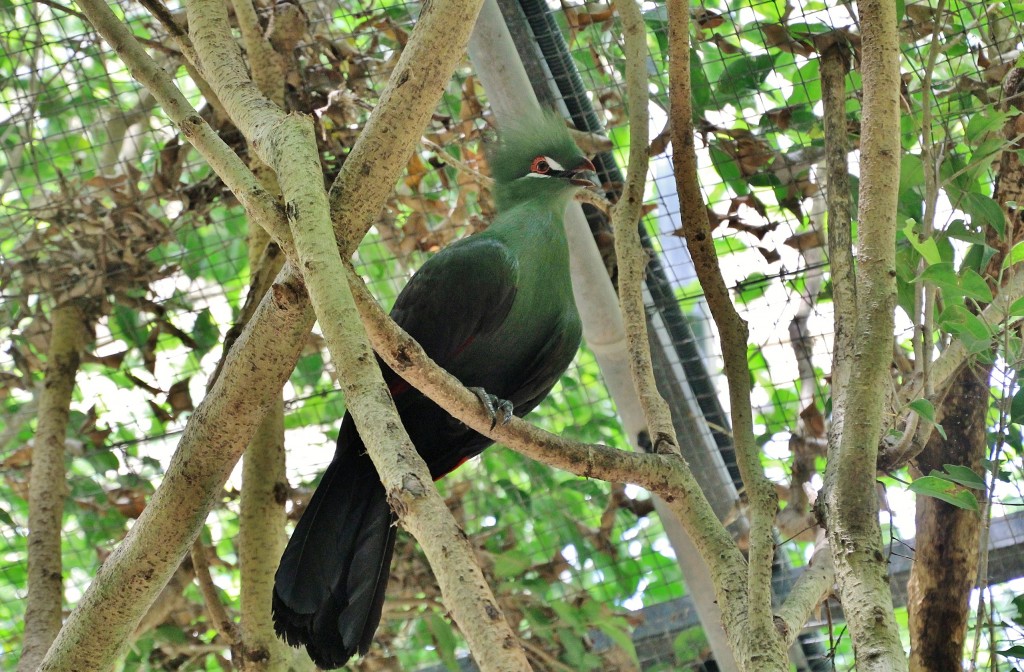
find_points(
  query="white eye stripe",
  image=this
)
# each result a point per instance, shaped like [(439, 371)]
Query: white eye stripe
[(555, 165), (543, 166)]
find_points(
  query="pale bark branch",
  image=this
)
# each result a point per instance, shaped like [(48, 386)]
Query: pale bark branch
[(47, 486), (811, 589), (261, 515), (834, 66), (265, 64), (629, 252), (849, 502), (755, 624)]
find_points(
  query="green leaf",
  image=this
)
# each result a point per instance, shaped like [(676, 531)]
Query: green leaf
[(926, 410), (308, 370), (1016, 651), (743, 76), (6, 519), (982, 124), (1017, 307), (511, 563), (943, 276), (962, 322), (1017, 407), (984, 211), (951, 493), (727, 167), (977, 257), (974, 286), (911, 172), (752, 287), (926, 248), (961, 475), (205, 332), (1015, 256), (441, 633), (959, 230), (621, 637)]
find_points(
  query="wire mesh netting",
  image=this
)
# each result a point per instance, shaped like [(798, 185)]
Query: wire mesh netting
[(103, 204)]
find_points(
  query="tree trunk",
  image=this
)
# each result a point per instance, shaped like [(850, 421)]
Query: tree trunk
[(946, 558), (47, 488), (848, 506)]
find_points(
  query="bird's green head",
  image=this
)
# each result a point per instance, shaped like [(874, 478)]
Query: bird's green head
[(538, 159)]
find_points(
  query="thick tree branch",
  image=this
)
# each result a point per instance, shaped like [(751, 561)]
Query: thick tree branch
[(628, 250), (834, 66), (261, 515), (810, 590), (217, 433), (733, 332), (848, 502), (69, 332), (261, 540)]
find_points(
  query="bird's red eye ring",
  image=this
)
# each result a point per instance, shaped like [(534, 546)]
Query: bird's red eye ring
[(540, 165)]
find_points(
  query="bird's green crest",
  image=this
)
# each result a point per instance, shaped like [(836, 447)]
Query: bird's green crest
[(541, 135)]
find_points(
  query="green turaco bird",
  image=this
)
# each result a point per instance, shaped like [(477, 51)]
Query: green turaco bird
[(496, 310)]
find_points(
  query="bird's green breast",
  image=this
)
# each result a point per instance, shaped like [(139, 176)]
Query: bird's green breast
[(543, 316)]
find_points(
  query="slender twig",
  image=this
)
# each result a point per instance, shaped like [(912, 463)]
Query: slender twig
[(461, 166), (931, 160), (732, 329), (629, 252), (219, 618)]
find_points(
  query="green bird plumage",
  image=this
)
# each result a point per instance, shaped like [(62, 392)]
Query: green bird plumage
[(496, 310)]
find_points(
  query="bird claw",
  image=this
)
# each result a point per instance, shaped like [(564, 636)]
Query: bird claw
[(494, 405)]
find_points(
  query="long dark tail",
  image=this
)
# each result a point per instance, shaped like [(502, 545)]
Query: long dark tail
[(329, 588)]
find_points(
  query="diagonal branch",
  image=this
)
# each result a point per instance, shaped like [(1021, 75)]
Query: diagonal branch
[(666, 475)]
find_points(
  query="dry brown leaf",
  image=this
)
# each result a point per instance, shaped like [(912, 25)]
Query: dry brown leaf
[(179, 398), (778, 35), (814, 421), (771, 256), (808, 240), (129, 502), (724, 45), (19, 459)]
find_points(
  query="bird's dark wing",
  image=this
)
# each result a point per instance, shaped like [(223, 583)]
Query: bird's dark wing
[(463, 292)]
